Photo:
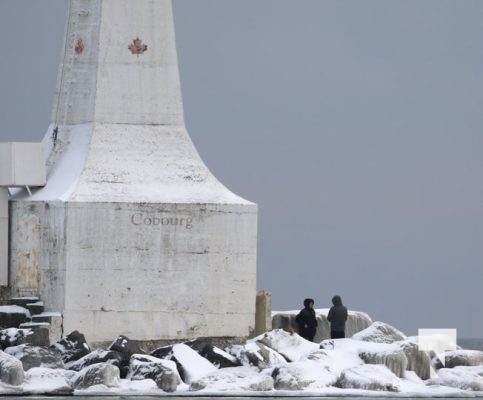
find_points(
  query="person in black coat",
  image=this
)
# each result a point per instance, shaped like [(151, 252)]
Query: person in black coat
[(306, 321), (337, 317)]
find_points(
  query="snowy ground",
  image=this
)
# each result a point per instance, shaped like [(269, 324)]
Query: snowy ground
[(379, 361)]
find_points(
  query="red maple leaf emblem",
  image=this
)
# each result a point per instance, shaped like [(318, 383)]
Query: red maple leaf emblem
[(79, 47), (137, 46)]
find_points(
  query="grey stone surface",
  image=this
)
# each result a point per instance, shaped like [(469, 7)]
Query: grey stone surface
[(257, 355), (163, 372), (72, 347), (213, 354), (13, 316), (40, 334), (95, 357), (96, 374), (36, 356)]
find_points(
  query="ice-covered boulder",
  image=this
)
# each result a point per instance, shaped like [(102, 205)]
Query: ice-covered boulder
[(369, 377), (356, 321), (233, 379), (292, 346), (256, 354), (215, 355), (320, 370), (380, 332), (96, 374), (466, 378), (13, 337), (95, 357), (456, 358), (48, 381), (388, 354), (394, 359), (11, 369), (163, 372), (418, 360), (191, 365), (72, 347), (36, 356)]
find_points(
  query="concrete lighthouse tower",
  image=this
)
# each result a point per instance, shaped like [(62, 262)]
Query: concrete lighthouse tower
[(131, 234)]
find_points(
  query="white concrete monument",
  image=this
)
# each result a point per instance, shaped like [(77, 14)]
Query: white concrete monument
[(132, 234)]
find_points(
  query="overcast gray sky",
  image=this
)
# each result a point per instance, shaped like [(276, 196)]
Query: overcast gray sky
[(357, 127)]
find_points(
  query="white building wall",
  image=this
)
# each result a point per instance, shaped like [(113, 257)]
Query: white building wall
[(182, 270), (107, 241)]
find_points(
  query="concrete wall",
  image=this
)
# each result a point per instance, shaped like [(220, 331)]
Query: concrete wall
[(132, 233), (37, 258), (101, 80), (3, 236), (263, 316), (148, 271), (160, 271)]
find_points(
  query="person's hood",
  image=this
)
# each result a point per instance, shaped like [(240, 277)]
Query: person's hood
[(336, 301), (307, 302)]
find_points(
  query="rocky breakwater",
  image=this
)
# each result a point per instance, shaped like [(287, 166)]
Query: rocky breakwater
[(378, 359)]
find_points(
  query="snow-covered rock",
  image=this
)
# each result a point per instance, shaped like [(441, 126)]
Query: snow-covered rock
[(126, 348), (380, 332), (191, 365), (233, 379), (320, 370), (394, 359), (11, 369), (96, 374), (13, 337), (356, 321), (466, 378), (257, 354), (48, 381), (456, 358), (12, 316), (388, 354), (72, 347), (369, 377), (163, 372), (215, 355), (95, 357), (292, 346), (162, 352), (36, 356), (418, 360)]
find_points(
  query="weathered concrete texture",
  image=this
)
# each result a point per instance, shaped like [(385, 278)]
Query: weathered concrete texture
[(132, 234), (263, 315)]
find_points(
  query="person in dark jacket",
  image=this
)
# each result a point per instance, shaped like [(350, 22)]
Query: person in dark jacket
[(337, 317), (306, 321)]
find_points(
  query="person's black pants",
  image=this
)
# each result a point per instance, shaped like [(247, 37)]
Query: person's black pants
[(337, 334)]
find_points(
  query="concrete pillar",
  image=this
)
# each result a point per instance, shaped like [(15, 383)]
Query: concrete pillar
[(263, 314), (132, 234), (3, 236)]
